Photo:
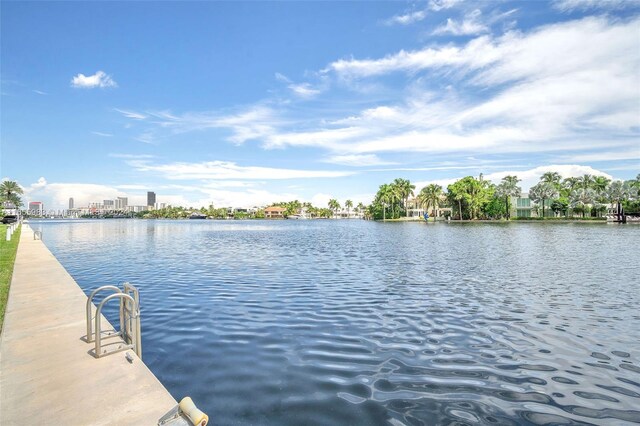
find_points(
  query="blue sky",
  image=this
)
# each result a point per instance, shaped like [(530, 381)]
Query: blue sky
[(247, 103)]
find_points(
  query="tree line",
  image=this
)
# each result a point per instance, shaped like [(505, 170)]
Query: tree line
[(476, 198), (467, 198)]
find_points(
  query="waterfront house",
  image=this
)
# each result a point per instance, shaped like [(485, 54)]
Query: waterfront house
[(524, 207), (416, 209), (274, 212)]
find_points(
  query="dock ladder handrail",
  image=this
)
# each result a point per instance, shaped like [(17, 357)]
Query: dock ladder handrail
[(129, 319)]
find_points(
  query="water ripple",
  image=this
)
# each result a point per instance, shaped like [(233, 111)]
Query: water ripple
[(349, 322)]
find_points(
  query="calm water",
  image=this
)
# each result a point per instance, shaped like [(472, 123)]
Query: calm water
[(361, 323)]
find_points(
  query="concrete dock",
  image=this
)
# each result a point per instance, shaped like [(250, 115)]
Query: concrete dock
[(48, 375)]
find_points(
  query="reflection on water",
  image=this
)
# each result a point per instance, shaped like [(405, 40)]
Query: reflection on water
[(351, 322)]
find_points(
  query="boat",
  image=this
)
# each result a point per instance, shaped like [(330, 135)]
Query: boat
[(297, 216), (196, 215)]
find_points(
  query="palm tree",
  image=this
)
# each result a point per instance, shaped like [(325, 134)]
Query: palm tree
[(600, 184), (586, 181), (391, 195), (385, 196), (541, 192), (456, 192), (473, 191), (551, 177), (571, 183), (618, 191), (430, 196), (360, 207), (405, 189), (348, 204), (334, 205), (509, 188), (10, 191), (582, 197)]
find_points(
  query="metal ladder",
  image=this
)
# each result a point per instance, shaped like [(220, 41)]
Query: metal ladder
[(129, 320)]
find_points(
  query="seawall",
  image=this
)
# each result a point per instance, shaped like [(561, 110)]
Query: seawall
[(48, 375)]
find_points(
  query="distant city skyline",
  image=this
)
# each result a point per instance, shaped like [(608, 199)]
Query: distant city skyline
[(250, 103)]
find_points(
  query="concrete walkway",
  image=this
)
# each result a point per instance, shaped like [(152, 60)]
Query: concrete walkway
[(47, 373)]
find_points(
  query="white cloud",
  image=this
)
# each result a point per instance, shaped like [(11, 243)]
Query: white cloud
[(564, 88), (327, 138), (549, 50), (528, 177), (437, 5), (146, 137), (55, 196), (256, 122), (561, 87), (304, 90), (407, 18), (132, 156), (39, 92), (469, 25), (248, 198), (571, 5), (99, 79), (532, 176), (105, 135), (131, 114), (478, 53), (631, 154), (321, 199), (282, 77), (216, 170), (357, 160)]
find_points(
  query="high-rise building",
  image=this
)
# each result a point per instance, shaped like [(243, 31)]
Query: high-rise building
[(108, 204), (122, 203), (151, 199), (70, 203), (36, 208)]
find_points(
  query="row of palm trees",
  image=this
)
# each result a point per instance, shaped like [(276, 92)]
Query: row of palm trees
[(296, 207), (395, 196), (478, 198), (583, 194)]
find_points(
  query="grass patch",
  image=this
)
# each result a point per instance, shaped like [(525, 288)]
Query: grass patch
[(8, 251)]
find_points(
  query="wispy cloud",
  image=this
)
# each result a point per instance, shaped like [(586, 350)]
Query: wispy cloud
[(471, 24), (132, 156), (99, 79), (560, 89), (216, 170), (477, 54), (303, 90), (407, 18), (571, 5), (438, 5), (357, 160), (146, 137), (105, 135), (256, 122), (39, 92), (548, 86), (602, 156), (528, 177), (131, 114)]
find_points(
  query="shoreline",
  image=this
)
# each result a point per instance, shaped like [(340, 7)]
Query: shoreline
[(47, 369)]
